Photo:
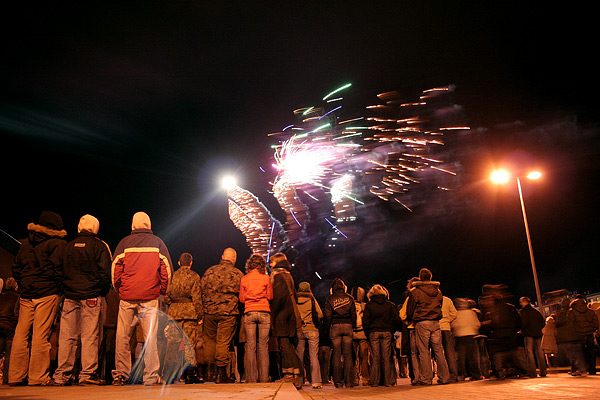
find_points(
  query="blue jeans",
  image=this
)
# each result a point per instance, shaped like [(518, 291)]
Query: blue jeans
[(129, 314), (341, 343), (430, 335), (253, 321), (312, 337), (533, 352), (79, 318), (574, 352), (381, 352)]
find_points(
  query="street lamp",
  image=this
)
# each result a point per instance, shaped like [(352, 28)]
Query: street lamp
[(501, 177)]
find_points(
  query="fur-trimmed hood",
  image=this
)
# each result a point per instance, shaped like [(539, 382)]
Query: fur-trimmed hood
[(44, 230), (378, 290)]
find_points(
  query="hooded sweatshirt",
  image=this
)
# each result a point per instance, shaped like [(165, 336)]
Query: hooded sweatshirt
[(425, 301), (380, 314), (339, 306), (141, 268), (584, 320), (310, 312), (87, 260)]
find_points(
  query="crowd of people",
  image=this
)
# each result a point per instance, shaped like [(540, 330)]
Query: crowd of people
[(75, 313)]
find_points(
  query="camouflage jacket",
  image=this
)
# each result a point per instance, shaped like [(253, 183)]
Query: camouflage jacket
[(220, 287), (184, 297)]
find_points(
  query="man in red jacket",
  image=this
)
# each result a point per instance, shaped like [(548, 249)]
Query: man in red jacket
[(141, 272)]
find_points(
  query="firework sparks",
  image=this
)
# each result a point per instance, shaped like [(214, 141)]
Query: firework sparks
[(264, 234)]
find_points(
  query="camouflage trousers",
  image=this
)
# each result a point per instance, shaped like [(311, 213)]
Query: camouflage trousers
[(186, 340)]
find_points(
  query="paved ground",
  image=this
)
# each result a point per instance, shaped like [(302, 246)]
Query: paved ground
[(555, 386)]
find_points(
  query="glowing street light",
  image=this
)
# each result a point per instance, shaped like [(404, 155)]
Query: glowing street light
[(501, 177), (228, 183)]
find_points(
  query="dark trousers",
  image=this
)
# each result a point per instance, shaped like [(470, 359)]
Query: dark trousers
[(449, 343), (6, 338), (289, 359), (589, 352), (468, 354), (341, 341)]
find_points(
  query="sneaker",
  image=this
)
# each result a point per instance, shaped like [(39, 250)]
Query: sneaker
[(92, 380), (119, 381), (317, 386), (49, 382)]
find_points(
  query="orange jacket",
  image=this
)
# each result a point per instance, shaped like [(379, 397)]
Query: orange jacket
[(256, 290)]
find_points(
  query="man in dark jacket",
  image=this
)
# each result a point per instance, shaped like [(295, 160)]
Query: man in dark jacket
[(425, 310), (380, 321), (502, 323), (86, 280), (585, 323), (37, 270), (340, 315), (220, 287), (141, 273), (286, 317), (9, 315), (532, 323), (570, 343)]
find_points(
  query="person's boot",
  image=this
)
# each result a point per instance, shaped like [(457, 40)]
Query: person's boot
[(200, 372), (191, 377), (210, 373), (222, 376)]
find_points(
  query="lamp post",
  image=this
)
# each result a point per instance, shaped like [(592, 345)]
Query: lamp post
[(501, 177)]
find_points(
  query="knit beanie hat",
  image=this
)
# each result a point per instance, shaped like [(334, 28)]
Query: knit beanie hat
[(51, 220), (304, 287)]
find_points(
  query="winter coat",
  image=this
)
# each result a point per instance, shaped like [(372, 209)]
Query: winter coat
[(380, 314), (425, 302), (141, 268), (549, 345), (284, 305), (220, 288), (9, 309), (38, 263), (504, 321), (256, 290), (184, 295), (584, 320), (565, 328), (466, 323), (310, 312), (86, 267), (532, 322), (448, 314), (339, 307)]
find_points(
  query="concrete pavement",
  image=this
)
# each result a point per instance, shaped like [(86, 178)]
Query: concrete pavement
[(554, 386)]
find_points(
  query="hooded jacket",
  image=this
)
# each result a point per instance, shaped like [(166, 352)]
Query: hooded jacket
[(584, 320), (86, 265), (38, 263), (310, 312), (339, 306), (380, 314), (141, 268), (425, 301)]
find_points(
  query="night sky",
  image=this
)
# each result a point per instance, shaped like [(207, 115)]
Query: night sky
[(144, 107)]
